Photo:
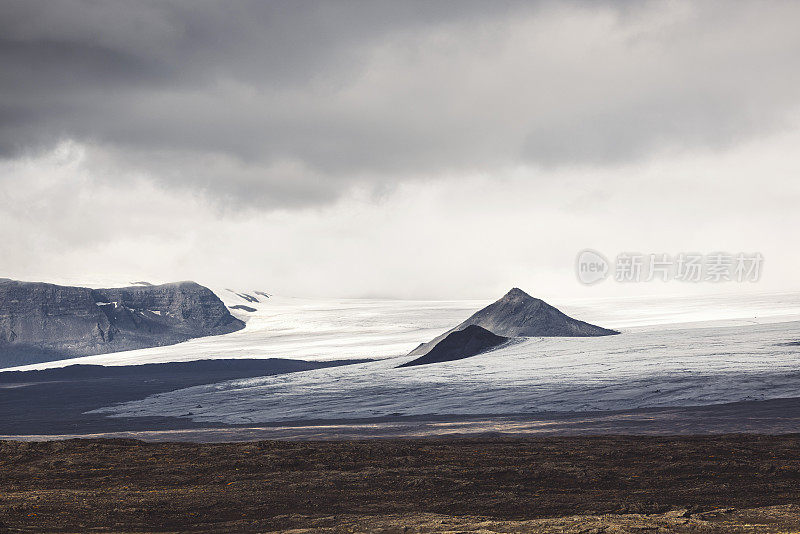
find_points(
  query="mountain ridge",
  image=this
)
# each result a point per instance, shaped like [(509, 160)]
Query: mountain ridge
[(42, 322)]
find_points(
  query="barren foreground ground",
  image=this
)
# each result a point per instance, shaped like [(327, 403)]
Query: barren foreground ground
[(728, 483)]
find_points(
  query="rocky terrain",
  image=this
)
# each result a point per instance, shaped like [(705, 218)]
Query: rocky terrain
[(518, 314), (460, 344), (767, 520), (729, 483), (43, 322)]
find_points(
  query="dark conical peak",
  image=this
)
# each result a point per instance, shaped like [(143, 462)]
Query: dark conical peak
[(474, 330), (517, 298), (519, 314), (516, 293), (458, 345)]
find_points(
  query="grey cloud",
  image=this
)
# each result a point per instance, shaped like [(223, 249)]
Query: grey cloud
[(291, 103)]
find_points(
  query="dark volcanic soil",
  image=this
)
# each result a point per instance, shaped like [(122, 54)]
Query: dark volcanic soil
[(120, 485)]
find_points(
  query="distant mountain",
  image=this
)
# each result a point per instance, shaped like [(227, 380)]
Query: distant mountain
[(44, 322), (518, 314), (458, 345)]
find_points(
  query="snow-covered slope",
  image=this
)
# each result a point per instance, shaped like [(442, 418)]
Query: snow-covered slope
[(658, 367), (681, 351)]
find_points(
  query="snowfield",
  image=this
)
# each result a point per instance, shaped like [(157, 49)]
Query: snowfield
[(674, 352), (330, 329), (305, 329)]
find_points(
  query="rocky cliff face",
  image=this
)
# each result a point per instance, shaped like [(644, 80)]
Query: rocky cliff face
[(519, 314), (42, 322)]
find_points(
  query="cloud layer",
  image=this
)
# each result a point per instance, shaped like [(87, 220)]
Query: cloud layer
[(139, 124), (294, 102)]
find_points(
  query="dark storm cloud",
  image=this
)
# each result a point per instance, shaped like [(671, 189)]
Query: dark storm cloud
[(182, 81), (290, 103)]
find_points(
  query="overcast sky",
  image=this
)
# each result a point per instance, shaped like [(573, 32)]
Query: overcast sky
[(403, 149)]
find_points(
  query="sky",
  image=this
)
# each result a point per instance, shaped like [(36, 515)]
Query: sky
[(396, 149)]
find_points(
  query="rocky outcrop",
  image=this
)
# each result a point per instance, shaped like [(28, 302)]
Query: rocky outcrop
[(518, 314), (242, 307), (41, 322), (458, 345)]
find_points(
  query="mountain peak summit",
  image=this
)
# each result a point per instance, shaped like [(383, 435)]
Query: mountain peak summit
[(517, 314), (516, 293)]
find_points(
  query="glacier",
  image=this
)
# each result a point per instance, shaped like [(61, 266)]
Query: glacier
[(672, 352)]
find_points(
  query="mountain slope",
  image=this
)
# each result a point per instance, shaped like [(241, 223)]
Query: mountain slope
[(458, 345), (43, 322), (519, 314)]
